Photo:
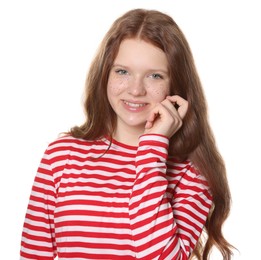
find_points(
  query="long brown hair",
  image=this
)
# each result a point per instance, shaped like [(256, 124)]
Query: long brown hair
[(194, 140)]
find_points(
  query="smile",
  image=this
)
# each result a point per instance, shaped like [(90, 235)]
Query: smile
[(134, 105)]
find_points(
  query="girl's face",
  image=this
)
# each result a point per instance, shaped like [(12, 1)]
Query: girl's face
[(138, 80)]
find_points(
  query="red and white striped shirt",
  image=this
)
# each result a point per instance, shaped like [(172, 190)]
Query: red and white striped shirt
[(125, 202)]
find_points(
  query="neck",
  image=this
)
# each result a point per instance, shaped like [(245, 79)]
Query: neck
[(129, 135)]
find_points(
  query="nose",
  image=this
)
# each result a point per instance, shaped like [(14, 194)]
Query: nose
[(136, 87)]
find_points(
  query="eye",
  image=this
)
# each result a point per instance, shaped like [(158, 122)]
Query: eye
[(121, 71), (156, 76)]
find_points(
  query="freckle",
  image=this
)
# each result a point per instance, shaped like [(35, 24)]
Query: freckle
[(115, 88)]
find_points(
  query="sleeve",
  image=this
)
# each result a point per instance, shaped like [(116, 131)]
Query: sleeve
[(38, 239), (161, 230)]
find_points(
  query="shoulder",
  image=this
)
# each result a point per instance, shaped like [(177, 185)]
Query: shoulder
[(66, 141), (69, 145)]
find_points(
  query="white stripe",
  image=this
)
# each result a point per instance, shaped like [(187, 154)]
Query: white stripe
[(92, 219), (158, 138), (38, 213), (43, 186), (97, 251), (36, 243), (36, 252), (152, 180), (94, 189), (92, 198), (96, 240), (35, 233), (97, 230), (38, 224), (109, 164), (187, 216), (145, 157), (122, 174), (41, 205), (151, 224), (191, 209), (91, 208), (97, 180), (44, 176), (147, 203)]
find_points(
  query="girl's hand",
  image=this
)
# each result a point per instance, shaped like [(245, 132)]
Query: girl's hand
[(165, 118)]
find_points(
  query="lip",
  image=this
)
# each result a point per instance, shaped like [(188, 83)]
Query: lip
[(134, 106)]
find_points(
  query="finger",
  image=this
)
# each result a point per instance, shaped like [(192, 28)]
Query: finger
[(170, 106), (182, 104), (177, 100), (151, 118), (158, 112), (148, 125)]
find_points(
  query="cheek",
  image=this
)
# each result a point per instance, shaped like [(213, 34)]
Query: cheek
[(159, 92), (116, 86)]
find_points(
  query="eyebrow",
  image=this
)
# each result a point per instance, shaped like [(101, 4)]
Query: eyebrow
[(126, 67)]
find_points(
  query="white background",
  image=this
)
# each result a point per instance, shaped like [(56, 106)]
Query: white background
[(45, 51)]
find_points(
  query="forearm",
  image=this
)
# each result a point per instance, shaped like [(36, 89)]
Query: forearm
[(38, 240), (167, 213), (151, 217)]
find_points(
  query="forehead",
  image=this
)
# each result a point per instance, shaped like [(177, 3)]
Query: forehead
[(137, 51)]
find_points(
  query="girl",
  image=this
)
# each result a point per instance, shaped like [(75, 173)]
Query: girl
[(141, 178)]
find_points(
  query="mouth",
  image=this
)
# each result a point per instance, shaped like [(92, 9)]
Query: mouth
[(134, 104)]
